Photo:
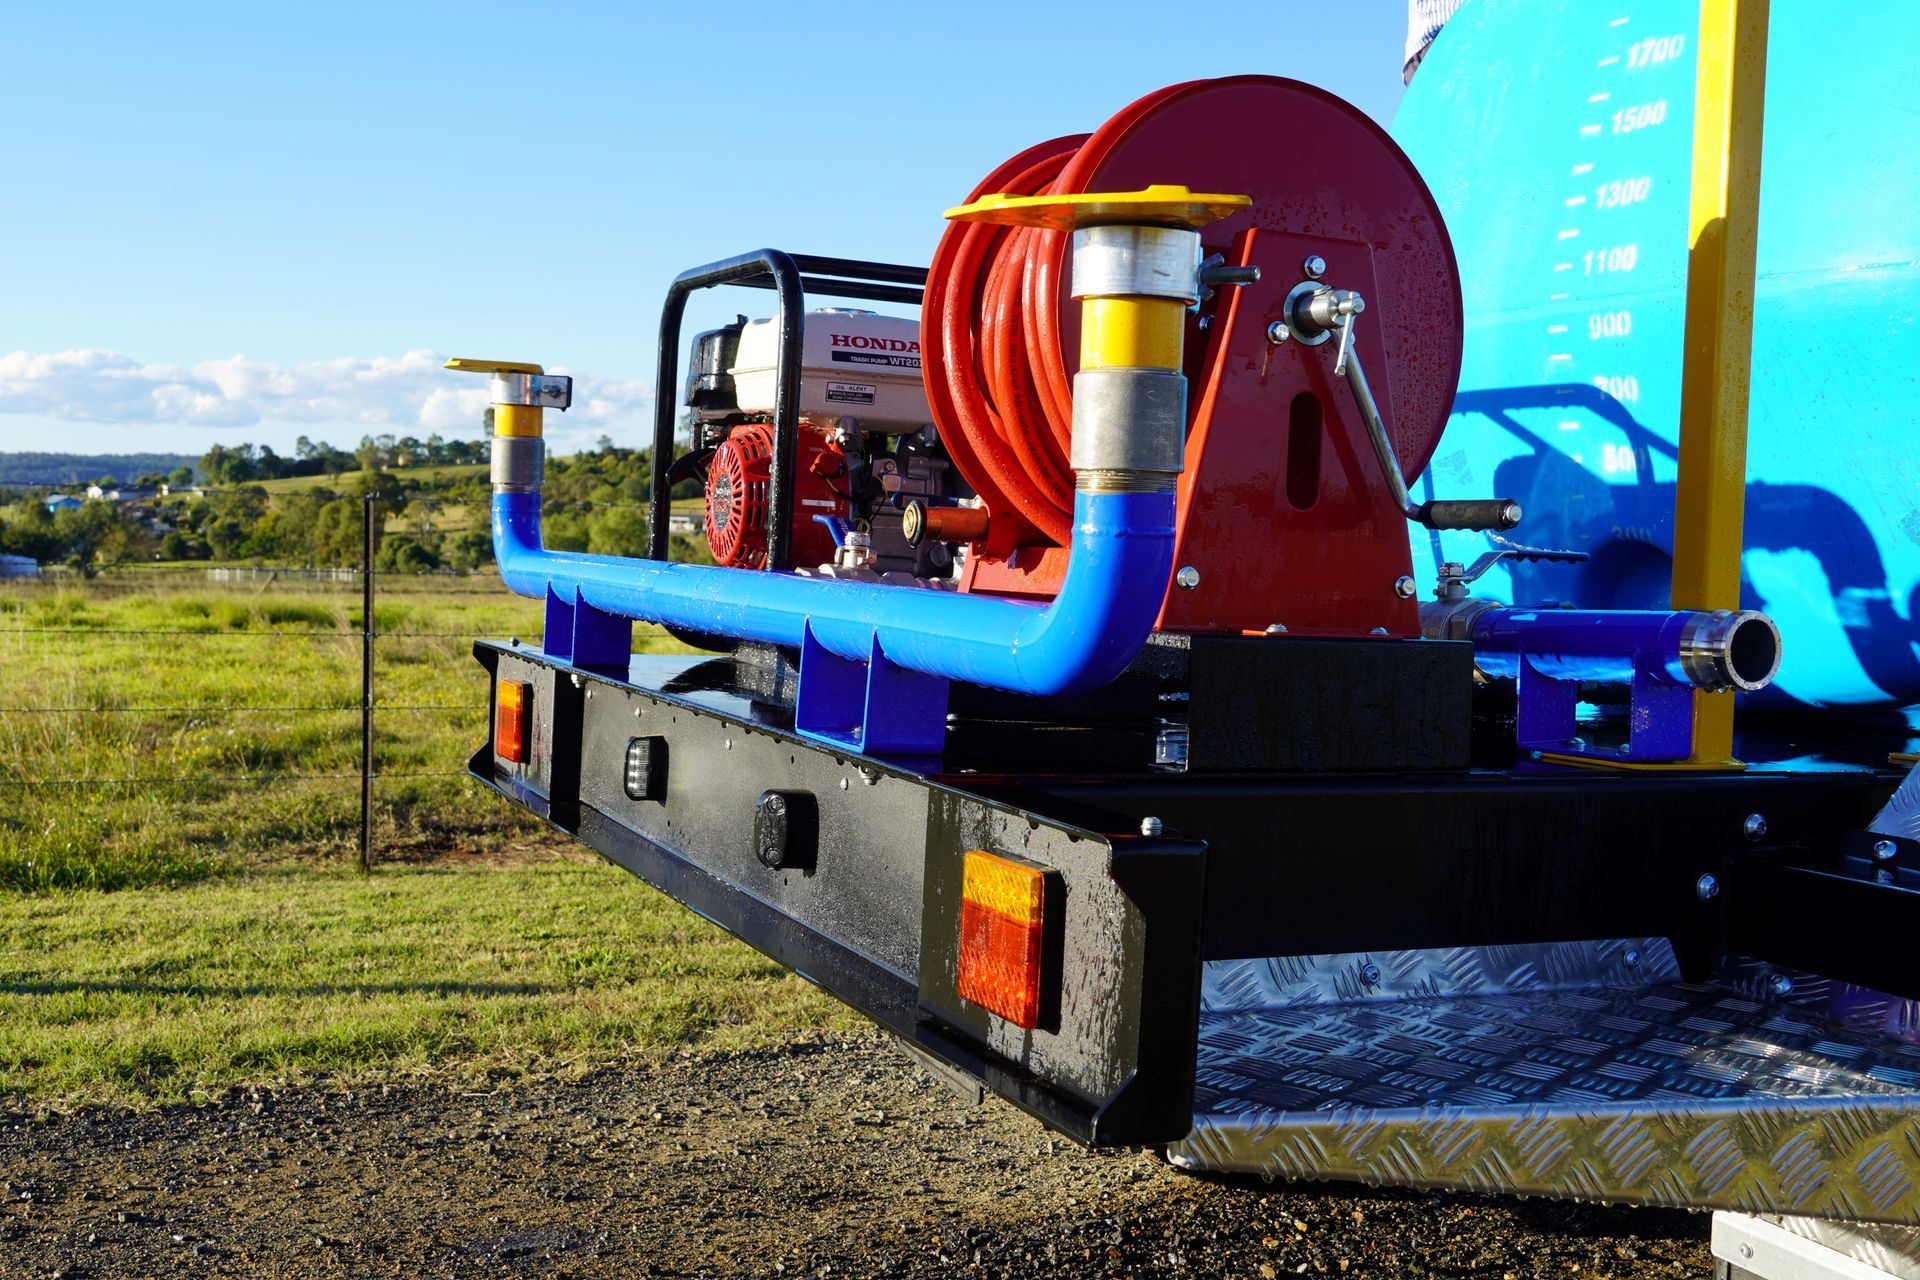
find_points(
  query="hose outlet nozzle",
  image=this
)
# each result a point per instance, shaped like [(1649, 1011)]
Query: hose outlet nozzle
[(1730, 649)]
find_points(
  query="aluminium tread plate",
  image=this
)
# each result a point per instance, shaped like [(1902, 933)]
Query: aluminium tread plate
[(1562, 1070)]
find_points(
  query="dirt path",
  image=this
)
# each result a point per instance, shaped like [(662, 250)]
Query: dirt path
[(834, 1157)]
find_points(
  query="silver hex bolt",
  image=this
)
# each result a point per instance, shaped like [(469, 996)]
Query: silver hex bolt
[(1403, 586), (1150, 826), (1315, 266), (1188, 578), (1755, 827), (1707, 887), (1883, 850), (1278, 333)]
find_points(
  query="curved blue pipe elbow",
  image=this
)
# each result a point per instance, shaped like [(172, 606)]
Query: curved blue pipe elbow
[(1122, 558)]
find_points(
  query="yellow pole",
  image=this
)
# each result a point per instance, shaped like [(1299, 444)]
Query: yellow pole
[(1710, 498)]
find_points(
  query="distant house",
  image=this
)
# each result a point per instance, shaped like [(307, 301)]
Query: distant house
[(62, 502), (686, 522), (20, 566), (123, 493)]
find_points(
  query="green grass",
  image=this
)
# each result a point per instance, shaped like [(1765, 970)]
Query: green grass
[(236, 945), (159, 759), (349, 480), (278, 976)]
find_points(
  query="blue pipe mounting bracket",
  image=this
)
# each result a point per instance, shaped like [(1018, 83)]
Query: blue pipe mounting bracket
[(875, 658), (1551, 652)]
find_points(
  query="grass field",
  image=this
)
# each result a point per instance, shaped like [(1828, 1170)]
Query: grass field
[(349, 481), (179, 802), (464, 968), (179, 732)]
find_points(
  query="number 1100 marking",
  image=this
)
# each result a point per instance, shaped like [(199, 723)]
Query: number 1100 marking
[(1600, 262)]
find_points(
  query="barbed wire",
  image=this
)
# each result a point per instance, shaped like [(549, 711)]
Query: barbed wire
[(211, 779), (355, 634), (224, 711)]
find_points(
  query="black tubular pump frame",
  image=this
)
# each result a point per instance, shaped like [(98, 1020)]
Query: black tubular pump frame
[(782, 273)]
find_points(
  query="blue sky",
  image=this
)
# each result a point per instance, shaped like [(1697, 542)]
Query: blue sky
[(254, 222)]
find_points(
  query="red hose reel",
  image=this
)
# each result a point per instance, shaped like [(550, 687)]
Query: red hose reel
[(1282, 512)]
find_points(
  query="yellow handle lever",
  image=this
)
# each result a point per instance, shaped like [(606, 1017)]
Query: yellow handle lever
[(492, 366)]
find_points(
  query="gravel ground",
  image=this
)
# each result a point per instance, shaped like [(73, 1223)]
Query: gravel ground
[(827, 1157)]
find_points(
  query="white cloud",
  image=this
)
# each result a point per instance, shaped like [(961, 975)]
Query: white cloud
[(400, 394)]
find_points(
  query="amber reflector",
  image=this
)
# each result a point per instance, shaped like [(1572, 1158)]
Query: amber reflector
[(1002, 922), (510, 721)]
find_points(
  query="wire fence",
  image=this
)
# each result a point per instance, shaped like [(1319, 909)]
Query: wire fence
[(106, 669)]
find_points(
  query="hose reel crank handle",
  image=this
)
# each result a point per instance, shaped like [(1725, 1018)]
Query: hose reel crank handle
[(1325, 310)]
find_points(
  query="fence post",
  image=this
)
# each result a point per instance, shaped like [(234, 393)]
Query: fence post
[(370, 510)]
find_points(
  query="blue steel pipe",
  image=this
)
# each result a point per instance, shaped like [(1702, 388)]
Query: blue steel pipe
[(1122, 558), (1717, 650)]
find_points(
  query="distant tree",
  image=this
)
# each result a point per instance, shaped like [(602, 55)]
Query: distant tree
[(181, 478), (617, 531), (404, 553), (225, 536), (369, 455), (29, 531), (338, 535), (469, 549), (176, 545)]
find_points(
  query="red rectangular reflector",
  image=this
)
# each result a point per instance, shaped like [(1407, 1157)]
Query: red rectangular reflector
[(510, 721), (1002, 932)]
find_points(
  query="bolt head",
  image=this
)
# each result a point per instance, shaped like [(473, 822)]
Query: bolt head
[(1630, 957), (1370, 974), (1403, 586), (1277, 332), (1780, 984), (1883, 850), (1150, 826), (1707, 887), (1755, 827), (1315, 266), (1188, 578)]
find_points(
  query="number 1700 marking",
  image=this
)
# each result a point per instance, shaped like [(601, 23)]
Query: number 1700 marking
[(1652, 52)]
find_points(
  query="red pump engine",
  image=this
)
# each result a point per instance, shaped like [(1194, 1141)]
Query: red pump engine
[(737, 485)]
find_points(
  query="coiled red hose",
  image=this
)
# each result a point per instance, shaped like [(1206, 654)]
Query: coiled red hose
[(1004, 422), (997, 373)]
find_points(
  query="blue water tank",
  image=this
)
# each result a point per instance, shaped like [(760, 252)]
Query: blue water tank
[(1557, 136)]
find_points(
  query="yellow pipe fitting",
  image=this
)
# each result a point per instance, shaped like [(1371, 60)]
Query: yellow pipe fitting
[(508, 419), (1131, 333), (518, 420)]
